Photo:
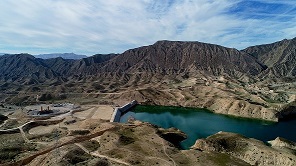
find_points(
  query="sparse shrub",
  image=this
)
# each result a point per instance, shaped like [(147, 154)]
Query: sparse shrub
[(70, 85), (126, 140), (45, 97), (11, 145), (91, 145), (102, 162), (76, 156), (282, 97), (97, 86), (79, 132), (62, 97), (35, 89), (187, 98)]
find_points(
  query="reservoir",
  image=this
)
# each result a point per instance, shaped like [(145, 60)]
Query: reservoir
[(200, 123)]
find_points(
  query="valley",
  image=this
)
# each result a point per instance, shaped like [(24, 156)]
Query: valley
[(257, 83)]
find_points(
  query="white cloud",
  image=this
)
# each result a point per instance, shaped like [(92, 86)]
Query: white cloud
[(98, 26)]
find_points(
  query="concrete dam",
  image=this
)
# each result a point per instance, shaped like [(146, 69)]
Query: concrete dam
[(121, 110)]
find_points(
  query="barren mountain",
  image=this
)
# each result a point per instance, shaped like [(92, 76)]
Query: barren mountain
[(280, 57), (90, 65), (160, 59), (24, 66), (164, 58), (172, 57)]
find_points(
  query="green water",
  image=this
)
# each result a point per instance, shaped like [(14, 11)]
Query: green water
[(200, 123)]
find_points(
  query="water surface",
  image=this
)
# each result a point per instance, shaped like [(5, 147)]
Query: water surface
[(200, 123)]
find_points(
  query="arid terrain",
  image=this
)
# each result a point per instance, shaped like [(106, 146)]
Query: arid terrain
[(84, 136), (257, 82)]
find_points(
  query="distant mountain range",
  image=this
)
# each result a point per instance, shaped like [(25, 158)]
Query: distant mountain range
[(55, 55), (62, 55), (276, 60)]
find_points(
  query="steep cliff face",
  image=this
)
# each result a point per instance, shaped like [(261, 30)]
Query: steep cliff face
[(280, 57)]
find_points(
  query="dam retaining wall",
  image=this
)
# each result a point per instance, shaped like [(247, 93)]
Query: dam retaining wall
[(121, 110)]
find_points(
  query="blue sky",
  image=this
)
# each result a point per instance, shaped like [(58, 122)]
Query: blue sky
[(113, 26)]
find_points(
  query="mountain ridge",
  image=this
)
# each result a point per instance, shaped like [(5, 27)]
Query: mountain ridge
[(173, 57), (279, 57), (177, 55), (62, 55)]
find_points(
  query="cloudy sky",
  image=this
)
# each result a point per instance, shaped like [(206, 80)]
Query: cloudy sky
[(113, 26)]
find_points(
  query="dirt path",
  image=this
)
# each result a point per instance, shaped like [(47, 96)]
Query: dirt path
[(24, 135), (28, 159), (4, 123), (164, 150), (99, 155)]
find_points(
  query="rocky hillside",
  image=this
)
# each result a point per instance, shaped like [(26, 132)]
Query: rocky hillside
[(15, 68), (250, 150), (24, 66), (170, 57), (164, 57), (280, 57), (91, 65)]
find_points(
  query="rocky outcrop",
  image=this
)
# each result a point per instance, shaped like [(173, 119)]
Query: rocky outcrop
[(173, 135), (283, 143), (250, 150)]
